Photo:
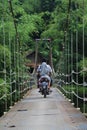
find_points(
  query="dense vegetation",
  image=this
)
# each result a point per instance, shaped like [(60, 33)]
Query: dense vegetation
[(59, 20)]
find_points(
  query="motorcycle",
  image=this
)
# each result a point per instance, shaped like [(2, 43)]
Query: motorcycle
[(43, 86)]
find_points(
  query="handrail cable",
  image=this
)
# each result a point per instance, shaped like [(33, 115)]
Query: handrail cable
[(72, 92), (2, 96), (79, 72), (7, 94)]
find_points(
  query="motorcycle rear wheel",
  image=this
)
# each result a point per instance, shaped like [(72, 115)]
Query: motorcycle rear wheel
[(45, 93)]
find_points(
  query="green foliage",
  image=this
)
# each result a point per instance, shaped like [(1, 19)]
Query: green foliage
[(80, 91), (4, 57), (4, 89), (30, 28), (31, 6), (83, 66), (41, 19)]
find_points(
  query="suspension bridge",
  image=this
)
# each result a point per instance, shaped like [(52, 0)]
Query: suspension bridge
[(21, 105), (34, 112)]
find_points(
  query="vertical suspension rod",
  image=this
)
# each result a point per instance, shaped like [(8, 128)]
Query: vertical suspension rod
[(83, 61)]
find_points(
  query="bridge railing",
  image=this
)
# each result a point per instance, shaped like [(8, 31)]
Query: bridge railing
[(15, 79), (76, 92)]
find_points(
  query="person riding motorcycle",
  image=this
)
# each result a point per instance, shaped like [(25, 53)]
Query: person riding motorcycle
[(44, 70)]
